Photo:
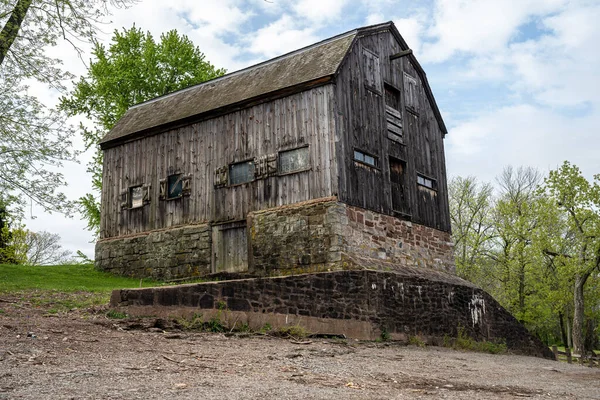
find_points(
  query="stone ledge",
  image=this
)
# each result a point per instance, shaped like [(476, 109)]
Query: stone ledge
[(369, 301)]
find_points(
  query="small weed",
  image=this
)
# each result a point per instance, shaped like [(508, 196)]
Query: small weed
[(215, 325), (294, 331), (465, 342), (243, 328), (385, 335), (114, 314), (195, 323), (266, 328), (416, 341), (2, 311)]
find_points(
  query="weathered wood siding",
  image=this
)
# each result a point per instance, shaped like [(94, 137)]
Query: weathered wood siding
[(361, 124), (304, 118)]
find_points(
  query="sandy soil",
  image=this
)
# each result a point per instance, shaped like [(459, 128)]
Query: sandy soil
[(85, 355)]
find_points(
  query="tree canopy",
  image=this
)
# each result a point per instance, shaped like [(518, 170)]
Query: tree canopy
[(132, 69), (534, 244), (35, 140)]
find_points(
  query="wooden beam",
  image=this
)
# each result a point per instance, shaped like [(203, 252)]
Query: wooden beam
[(401, 54)]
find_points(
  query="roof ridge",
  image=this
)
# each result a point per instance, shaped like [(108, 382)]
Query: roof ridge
[(254, 66)]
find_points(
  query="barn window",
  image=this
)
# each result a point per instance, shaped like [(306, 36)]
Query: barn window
[(427, 182), (372, 71), (293, 160), (241, 172), (136, 196), (174, 186), (392, 114), (365, 158), (411, 93), (392, 97)]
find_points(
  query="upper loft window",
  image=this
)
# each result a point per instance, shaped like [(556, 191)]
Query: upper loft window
[(411, 93), (427, 182), (392, 97), (365, 158), (241, 172), (392, 114), (372, 71), (295, 160), (136, 196), (174, 186)]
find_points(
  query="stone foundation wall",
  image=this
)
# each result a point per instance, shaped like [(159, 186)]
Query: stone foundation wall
[(165, 254), (328, 235), (304, 237), (359, 304), (395, 241), (313, 236)]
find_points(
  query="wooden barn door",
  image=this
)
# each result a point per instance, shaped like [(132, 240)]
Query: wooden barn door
[(230, 247), (400, 200)]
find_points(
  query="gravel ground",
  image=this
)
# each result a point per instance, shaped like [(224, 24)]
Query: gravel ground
[(84, 355)]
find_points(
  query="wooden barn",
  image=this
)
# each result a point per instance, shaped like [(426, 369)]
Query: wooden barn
[(329, 157)]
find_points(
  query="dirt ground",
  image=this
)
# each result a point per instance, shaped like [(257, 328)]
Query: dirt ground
[(83, 354)]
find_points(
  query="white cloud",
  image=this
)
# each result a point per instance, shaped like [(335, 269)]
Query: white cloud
[(411, 27), (479, 26), (281, 37), (520, 135), (319, 10)]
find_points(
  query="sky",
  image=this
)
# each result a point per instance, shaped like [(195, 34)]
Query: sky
[(517, 81)]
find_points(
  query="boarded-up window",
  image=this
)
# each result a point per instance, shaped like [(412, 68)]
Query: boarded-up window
[(241, 172), (392, 114), (293, 160), (136, 194), (372, 71), (411, 93), (400, 202), (174, 186), (365, 158)]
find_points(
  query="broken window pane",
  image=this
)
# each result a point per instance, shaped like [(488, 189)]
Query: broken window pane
[(293, 160), (136, 194), (174, 186), (365, 158), (427, 182), (241, 172)]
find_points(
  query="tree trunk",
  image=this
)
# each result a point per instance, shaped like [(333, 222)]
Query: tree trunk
[(563, 332), (13, 25), (569, 331), (578, 315)]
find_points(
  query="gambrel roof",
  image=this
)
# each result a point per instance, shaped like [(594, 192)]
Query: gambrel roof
[(290, 73)]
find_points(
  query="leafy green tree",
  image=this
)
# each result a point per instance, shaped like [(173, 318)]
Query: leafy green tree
[(515, 219), (579, 252), (133, 69), (9, 251), (471, 206), (34, 140)]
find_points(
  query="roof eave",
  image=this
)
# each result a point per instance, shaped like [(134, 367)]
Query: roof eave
[(265, 97)]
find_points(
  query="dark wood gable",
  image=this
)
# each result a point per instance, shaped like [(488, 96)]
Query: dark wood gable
[(389, 113)]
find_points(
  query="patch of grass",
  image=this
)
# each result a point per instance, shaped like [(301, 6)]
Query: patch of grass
[(465, 342), (416, 341), (114, 314), (195, 323), (294, 331), (64, 278), (61, 288)]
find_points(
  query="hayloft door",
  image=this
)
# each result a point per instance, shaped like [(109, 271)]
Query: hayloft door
[(230, 247)]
